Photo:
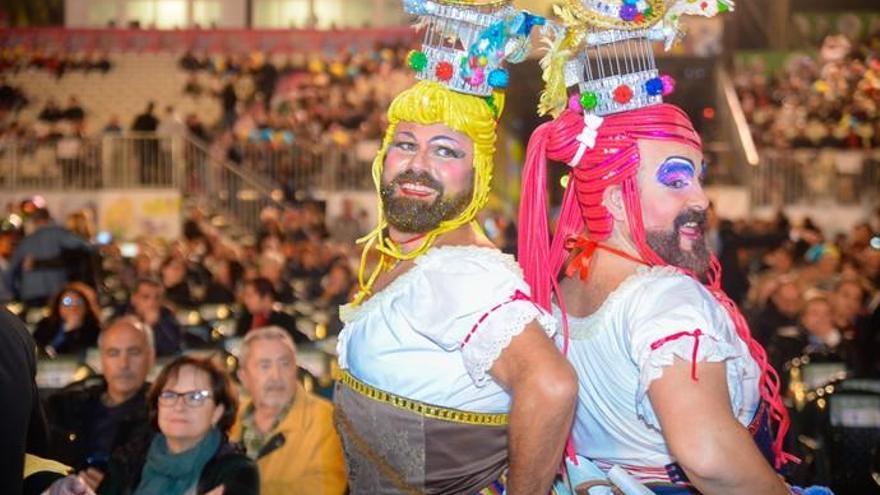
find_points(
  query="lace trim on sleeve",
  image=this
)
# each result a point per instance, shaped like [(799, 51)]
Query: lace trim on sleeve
[(494, 331), (694, 347)]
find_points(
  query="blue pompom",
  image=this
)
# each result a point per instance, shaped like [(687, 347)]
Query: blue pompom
[(654, 86), (415, 7), (818, 490), (499, 78)]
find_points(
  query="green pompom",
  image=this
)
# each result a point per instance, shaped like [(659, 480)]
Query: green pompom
[(417, 60), (722, 7), (589, 100)]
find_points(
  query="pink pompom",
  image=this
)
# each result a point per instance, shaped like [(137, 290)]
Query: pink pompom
[(574, 103), (668, 84)]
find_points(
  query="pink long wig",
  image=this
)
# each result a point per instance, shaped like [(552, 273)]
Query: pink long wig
[(614, 160)]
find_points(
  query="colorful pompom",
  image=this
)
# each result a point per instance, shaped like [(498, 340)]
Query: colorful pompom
[(443, 71), (623, 94), (654, 86), (478, 77), (668, 84), (499, 78), (817, 490), (628, 12), (417, 60), (589, 100), (574, 103)]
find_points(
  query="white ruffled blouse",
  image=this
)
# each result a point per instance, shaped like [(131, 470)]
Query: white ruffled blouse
[(434, 332), (654, 316)]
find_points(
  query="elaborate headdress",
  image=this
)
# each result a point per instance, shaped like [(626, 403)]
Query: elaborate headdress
[(461, 70), (603, 87), (606, 49)]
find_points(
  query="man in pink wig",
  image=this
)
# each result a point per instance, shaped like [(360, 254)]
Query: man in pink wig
[(673, 391)]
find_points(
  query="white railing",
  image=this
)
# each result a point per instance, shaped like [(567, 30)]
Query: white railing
[(815, 176), (142, 160), (71, 163), (137, 161)]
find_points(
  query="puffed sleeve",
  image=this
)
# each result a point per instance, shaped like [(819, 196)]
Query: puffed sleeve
[(474, 305), (675, 317)]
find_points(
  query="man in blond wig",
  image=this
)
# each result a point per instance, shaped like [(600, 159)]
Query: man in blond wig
[(450, 383)]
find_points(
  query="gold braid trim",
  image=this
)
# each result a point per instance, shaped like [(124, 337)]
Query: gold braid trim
[(422, 409), (475, 3), (574, 14)]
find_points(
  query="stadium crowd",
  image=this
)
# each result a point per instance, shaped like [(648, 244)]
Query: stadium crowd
[(275, 291), (830, 99), (809, 293)]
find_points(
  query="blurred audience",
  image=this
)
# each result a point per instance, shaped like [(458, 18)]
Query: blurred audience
[(94, 420), (258, 297), (148, 304), (38, 268), (827, 100), (192, 405), (73, 323)]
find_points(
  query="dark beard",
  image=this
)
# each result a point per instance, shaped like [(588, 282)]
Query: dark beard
[(667, 244), (415, 216)]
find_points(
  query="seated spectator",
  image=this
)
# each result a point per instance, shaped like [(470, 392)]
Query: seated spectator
[(272, 269), (74, 111), (287, 430), (221, 289), (816, 335), (174, 280), (823, 337), (113, 125), (38, 268), (259, 304), (193, 405), (92, 420), (196, 128), (52, 112), (847, 302), (822, 273), (336, 291), (346, 228), (781, 312), (148, 304), (73, 323)]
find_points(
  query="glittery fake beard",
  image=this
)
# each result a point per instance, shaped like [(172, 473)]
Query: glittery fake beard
[(667, 243), (412, 215)]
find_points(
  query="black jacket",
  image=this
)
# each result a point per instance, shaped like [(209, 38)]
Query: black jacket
[(77, 341), (276, 318), (167, 332), (22, 424), (71, 420), (229, 467)]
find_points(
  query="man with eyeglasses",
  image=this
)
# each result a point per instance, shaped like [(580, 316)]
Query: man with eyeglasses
[(91, 419), (287, 430)]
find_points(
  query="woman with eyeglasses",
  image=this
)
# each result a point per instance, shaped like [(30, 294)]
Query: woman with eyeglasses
[(193, 405), (73, 323)]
